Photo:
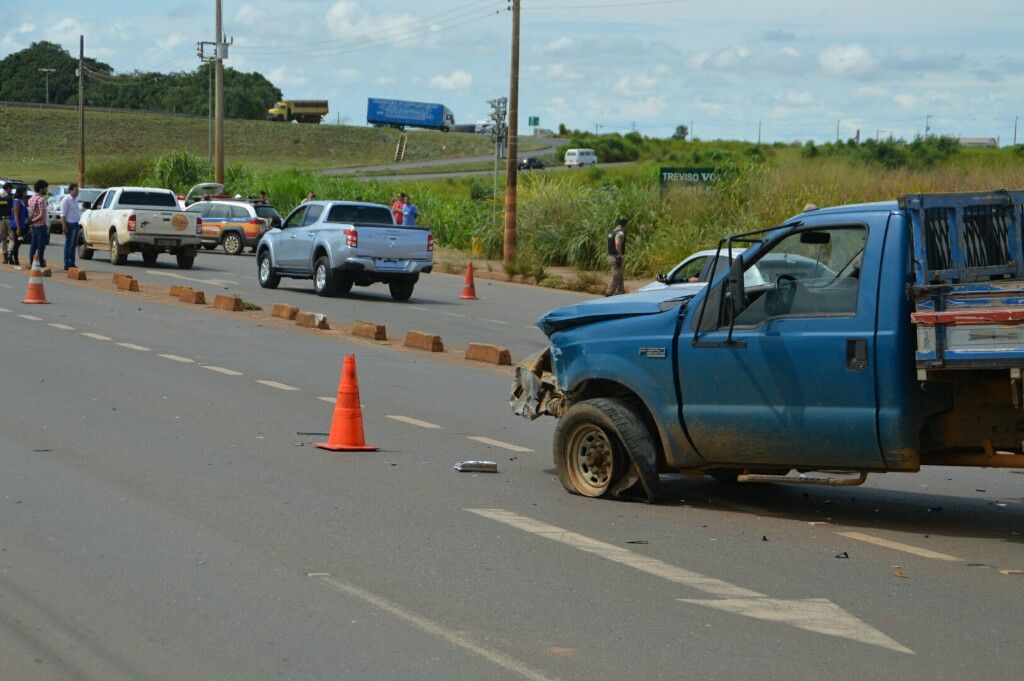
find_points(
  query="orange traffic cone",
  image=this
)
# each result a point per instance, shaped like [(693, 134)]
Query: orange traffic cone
[(347, 424), (468, 288), (34, 294)]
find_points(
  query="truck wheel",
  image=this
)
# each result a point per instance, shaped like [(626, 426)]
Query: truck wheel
[(233, 244), (401, 290), (84, 252), (266, 271), (149, 257), (186, 260), (591, 444), (118, 253), (323, 279)]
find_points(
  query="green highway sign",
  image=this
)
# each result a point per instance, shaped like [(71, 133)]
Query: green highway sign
[(534, 121), (690, 176)]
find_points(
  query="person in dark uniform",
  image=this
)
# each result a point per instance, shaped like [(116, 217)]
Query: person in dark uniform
[(6, 199), (616, 252)]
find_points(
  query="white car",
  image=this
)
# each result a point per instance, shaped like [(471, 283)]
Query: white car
[(697, 269)]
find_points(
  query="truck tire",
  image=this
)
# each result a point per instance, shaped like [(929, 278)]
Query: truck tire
[(186, 260), (592, 446), (84, 252), (267, 277), (118, 253), (402, 290), (233, 243), (324, 282), (149, 256)]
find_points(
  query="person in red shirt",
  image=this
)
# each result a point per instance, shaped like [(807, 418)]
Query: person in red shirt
[(396, 207)]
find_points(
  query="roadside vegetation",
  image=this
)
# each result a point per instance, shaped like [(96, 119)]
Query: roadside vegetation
[(44, 142)]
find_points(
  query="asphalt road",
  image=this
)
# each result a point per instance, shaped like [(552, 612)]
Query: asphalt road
[(504, 313), (164, 515)]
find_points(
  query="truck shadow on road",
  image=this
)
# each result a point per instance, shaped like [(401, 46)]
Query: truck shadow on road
[(976, 514)]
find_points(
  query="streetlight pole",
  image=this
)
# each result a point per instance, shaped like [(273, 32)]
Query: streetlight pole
[(46, 73), (218, 65), (81, 111), (511, 174)]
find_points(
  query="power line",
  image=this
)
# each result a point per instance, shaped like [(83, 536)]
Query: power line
[(532, 7)]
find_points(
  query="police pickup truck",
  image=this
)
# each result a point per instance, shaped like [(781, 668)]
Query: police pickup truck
[(339, 244), (903, 347)]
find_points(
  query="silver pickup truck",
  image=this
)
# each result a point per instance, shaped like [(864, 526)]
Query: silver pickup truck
[(339, 244)]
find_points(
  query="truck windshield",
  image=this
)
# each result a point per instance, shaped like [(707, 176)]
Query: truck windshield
[(360, 215), (148, 199)]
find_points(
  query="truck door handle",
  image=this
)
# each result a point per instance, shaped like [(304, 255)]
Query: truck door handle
[(856, 354)]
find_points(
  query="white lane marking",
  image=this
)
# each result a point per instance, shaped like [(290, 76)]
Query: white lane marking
[(456, 638), (4, 309), (6, 286), (30, 318), (175, 358), (62, 327), (133, 346), (95, 336), (332, 400), (212, 282), (497, 443), (455, 314), (812, 614), (222, 370), (897, 546), (411, 421), (279, 386), (494, 321)]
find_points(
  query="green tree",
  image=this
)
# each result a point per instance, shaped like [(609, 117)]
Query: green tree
[(21, 81), (681, 133)]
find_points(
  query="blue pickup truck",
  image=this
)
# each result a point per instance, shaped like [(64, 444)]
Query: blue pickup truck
[(903, 347)]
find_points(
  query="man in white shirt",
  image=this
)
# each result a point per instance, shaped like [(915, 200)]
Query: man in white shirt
[(70, 216)]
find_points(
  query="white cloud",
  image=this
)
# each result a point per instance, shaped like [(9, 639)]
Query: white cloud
[(872, 91), (661, 70), (347, 76), (25, 28), (632, 85), (456, 80), (905, 101), (248, 14), (561, 72), (348, 19), (799, 98), (846, 60), (171, 41), (560, 43), (282, 78), (646, 108), (384, 80)]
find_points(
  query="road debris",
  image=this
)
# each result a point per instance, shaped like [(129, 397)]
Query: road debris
[(1011, 572), (897, 571), (844, 554), (637, 541), (477, 467)]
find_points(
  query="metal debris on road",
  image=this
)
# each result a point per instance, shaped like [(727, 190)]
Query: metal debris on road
[(844, 554), (1011, 572), (897, 571), (476, 467), (637, 541)]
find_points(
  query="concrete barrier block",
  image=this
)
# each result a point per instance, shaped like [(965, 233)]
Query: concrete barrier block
[(371, 330), (491, 354), (128, 284), (312, 320), (282, 311), (118, 277), (176, 290), (228, 303), (192, 297), (76, 274), (418, 340)]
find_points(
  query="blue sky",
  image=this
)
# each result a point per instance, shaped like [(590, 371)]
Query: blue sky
[(795, 66)]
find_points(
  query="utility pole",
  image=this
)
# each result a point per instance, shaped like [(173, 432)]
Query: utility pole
[(927, 125), (511, 174), (837, 130), (691, 131), (47, 72), (218, 65), (209, 114), (759, 133), (81, 111), (499, 109), (634, 126), (1015, 118)]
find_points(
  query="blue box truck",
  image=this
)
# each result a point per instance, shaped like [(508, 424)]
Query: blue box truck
[(401, 114)]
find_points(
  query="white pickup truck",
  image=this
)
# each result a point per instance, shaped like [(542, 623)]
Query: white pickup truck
[(143, 220)]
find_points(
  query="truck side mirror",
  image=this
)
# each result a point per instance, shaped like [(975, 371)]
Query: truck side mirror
[(662, 277), (737, 293), (86, 205)]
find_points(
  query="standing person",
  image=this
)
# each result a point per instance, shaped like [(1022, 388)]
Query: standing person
[(396, 207), (37, 223), (70, 216), (310, 196), (616, 252), (19, 223), (409, 211), (6, 198)]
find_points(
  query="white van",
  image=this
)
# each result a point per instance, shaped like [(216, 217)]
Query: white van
[(577, 158)]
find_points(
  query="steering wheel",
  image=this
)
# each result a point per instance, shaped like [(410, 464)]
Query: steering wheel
[(785, 284)]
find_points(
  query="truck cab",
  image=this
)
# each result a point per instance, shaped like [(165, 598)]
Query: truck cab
[(902, 347)]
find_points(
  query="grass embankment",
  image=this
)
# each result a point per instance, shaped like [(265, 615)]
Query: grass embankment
[(44, 142)]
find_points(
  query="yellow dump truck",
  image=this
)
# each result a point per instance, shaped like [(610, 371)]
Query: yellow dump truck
[(301, 110)]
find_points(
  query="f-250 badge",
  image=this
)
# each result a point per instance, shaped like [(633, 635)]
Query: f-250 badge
[(652, 353)]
